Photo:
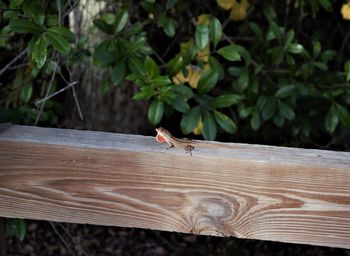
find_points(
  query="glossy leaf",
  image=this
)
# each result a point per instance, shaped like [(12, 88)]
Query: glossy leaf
[(209, 126), (180, 105), (343, 115), (121, 20), (257, 31), (255, 120), (225, 100), (155, 112), (59, 42), (118, 73), (183, 91), (65, 32), (230, 53), (190, 120), (331, 121), (225, 122), (268, 109), (103, 26), (136, 66), (151, 68), (295, 48), (286, 110), (285, 91), (146, 92), (207, 81), (175, 65), (202, 36), (215, 29), (39, 51), (161, 80), (23, 26)]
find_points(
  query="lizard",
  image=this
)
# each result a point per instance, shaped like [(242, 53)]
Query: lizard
[(163, 135)]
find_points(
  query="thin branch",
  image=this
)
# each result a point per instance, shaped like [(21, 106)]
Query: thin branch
[(13, 61), (74, 94), (55, 93), (61, 238)]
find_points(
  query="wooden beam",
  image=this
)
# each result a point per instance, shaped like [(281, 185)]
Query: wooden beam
[(225, 189)]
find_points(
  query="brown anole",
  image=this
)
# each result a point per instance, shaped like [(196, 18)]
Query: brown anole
[(165, 136)]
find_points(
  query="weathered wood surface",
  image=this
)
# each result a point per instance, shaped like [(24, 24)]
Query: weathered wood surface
[(250, 191)]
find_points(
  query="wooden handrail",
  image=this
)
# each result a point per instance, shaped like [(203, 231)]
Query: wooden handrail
[(225, 189)]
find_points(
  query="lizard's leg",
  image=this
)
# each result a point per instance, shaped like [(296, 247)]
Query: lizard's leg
[(189, 149), (171, 145)]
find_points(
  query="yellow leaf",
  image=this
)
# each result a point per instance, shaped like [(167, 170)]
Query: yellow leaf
[(198, 129), (203, 19), (194, 76), (345, 11), (225, 4), (203, 55), (239, 10)]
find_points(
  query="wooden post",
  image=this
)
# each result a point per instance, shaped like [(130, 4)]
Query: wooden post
[(225, 189)]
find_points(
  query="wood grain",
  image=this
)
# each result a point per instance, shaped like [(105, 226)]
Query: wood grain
[(227, 189)]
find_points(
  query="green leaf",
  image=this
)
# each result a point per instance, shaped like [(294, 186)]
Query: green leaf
[(65, 32), (26, 92), (155, 112), (286, 110), (289, 37), (20, 228), (145, 93), (209, 126), (225, 122), (190, 120), (255, 121), (23, 26), (322, 66), (103, 26), (59, 42), (343, 115), (207, 81), (39, 51), (347, 71), (243, 81), (326, 4), (230, 53), (295, 48), (202, 36), (136, 66), (245, 112), (256, 29), (151, 68), (161, 80), (168, 25), (225, 100), (118, 73), (331, 121), (215, 29), (268, 109), (180, 104), (278, 120), (182, 90), (170, 3), (121, 20), (215, 65), (175, 65), (316, 48), (285, 91)]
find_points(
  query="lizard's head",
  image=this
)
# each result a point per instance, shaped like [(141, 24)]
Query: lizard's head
[(161, 131)]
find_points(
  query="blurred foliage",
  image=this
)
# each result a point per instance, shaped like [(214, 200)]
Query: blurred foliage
[(272, 75)]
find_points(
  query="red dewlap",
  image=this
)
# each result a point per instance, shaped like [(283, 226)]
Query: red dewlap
[(160, 138)]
